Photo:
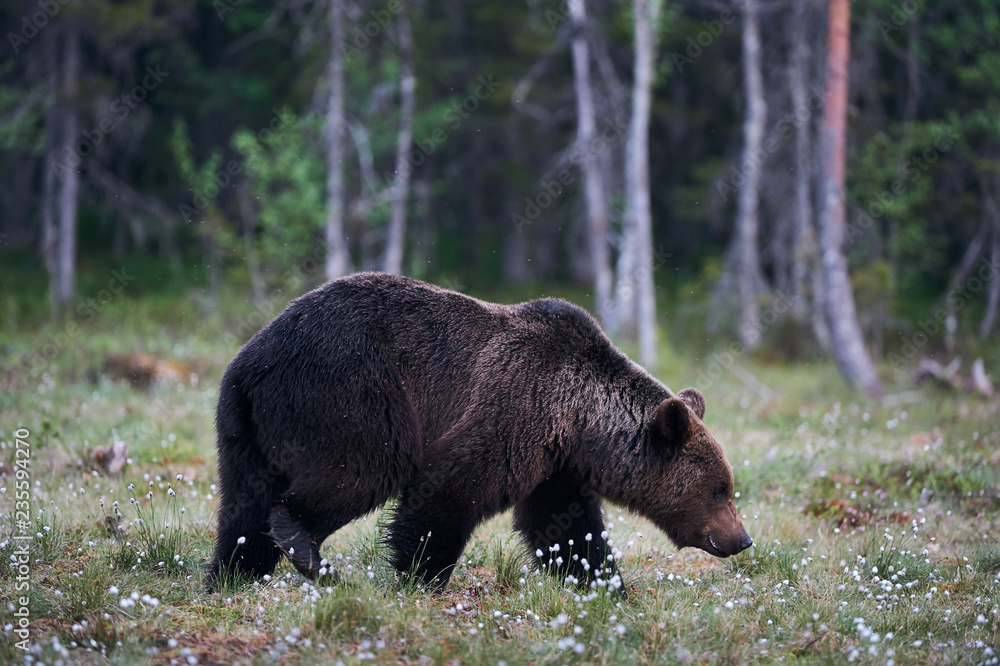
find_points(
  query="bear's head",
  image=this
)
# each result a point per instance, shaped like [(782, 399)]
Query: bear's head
[(695, 504)]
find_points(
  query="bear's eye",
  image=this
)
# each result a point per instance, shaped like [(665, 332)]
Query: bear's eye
[(720, 495)]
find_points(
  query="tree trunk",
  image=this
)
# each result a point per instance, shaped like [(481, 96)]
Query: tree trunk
[(50, 232), (401, 187), (337, 259), (515, 258), (636, 289), (958, 276), (70, 186), (993, 295), (849, 348), (749, 276), (807, 275), (593, 182), (250, 242), (63, 183)]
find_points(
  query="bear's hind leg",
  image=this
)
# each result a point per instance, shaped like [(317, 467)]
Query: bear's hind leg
[(427, 536), (563, 521), (296, 541), (298, 530)]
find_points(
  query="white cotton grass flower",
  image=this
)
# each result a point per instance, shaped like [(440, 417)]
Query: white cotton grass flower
[(242, 540)]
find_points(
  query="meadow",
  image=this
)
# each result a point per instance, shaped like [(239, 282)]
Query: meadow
[(875, 524)]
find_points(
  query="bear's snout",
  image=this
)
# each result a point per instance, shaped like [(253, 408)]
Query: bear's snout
[(726, 547)]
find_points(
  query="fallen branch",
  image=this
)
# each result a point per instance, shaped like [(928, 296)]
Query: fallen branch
[(949, 376)]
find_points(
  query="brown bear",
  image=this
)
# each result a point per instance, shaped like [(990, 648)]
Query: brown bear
[(375, 387)]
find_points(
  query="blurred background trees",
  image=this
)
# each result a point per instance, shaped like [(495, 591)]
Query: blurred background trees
[(674, 162)]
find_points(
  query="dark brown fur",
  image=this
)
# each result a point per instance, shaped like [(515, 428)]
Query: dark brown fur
[(376, 387)]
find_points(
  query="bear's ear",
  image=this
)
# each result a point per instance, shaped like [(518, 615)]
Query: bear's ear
[(671, 423), (693, 398)]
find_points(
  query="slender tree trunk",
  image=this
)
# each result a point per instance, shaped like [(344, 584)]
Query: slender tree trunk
[(337, 259), (804, 240), (623, 317), (50, 232), (62, 184), (70, 186), (401, 186), (593, 181), (636, 289), (747, 252), (250, 242), (958, 276), (515, 258), (849, 348), (993, 295), (807, 273)]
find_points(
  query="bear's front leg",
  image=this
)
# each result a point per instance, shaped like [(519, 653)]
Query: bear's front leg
[(562, 519), (429, 529)]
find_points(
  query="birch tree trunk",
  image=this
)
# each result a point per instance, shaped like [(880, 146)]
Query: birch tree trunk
[(593, 181), (70, 186), (636, 291), (337, 259), (61, 183), (749, 276), (401, 186), (807, 274), (849, 348), (993, 295), (50, 232)]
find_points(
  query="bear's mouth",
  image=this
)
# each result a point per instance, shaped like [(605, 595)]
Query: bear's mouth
[(718, 552)]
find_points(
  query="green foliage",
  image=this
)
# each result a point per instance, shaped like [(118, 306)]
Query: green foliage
[(22, 115), (197, 178), (347, 615), (286, 175), (147, 540)]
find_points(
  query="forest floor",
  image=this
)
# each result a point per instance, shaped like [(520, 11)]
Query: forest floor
[(875, 525)]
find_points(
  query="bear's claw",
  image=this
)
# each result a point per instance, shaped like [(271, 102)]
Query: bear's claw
[(295, 541)]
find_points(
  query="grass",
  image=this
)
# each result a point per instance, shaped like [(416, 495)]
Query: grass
[(875, 527)]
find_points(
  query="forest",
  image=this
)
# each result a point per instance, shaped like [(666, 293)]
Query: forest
[(793, 205), (200, 137)]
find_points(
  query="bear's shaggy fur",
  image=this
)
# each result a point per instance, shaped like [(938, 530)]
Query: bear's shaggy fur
[(375, 387)]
